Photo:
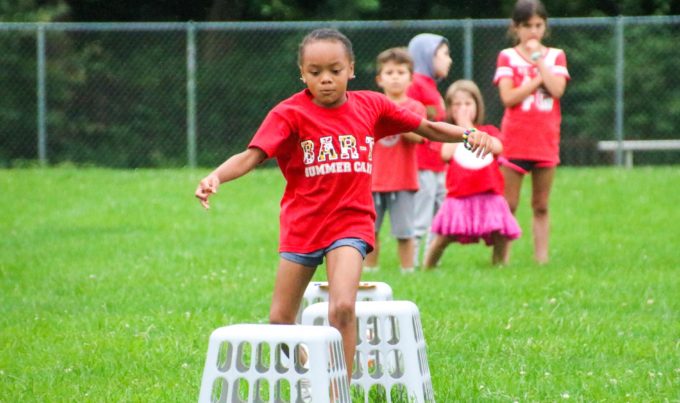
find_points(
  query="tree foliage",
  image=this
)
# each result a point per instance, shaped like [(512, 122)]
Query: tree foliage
[(282, 10), (119, 98), (31, 10)]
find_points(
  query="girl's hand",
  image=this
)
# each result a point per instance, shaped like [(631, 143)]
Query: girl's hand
[(532, 45), (481, 143), (534, 49), (206, 187)]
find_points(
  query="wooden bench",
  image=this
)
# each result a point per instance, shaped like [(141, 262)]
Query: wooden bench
[(630, 146)]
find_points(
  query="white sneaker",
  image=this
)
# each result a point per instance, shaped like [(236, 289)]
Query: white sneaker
[(408, 270), (305, 390), (367, 269)]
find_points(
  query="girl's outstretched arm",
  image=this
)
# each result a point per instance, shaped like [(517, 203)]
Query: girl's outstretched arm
[(496, 146), (235, 167), (480, 141), (412, 137), (448, 149)]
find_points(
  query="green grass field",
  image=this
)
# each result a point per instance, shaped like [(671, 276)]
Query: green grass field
[(112, 281)]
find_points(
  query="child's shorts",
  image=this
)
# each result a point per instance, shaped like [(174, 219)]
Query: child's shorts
[(402, 212), (525, 166), (313, 259)]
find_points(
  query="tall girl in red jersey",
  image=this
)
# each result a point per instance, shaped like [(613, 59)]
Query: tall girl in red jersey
[(322, 138), (531, 79), (474, 207)]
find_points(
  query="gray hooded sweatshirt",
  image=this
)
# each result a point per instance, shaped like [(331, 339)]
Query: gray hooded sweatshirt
[(422, 49)]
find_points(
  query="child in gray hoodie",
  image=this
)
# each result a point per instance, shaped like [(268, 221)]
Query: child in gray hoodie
[(431, 63)]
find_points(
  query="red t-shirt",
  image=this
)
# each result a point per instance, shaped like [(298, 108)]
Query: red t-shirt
[(424, 89), (394, 158), (531, 129), (325, 155), (469, 175)]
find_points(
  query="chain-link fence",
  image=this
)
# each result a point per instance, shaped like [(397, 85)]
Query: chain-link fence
[(176, 94)]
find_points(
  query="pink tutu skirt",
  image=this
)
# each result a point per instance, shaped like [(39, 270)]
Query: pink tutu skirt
[(472, 218)]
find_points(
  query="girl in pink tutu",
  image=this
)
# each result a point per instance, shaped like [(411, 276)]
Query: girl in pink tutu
[(474, 208)]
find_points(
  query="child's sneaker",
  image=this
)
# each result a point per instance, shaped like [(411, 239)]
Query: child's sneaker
[(408, 270), (368, 269)]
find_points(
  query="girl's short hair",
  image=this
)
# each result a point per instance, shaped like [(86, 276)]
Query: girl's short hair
[(396, 55), (471, 88), (325, 34)]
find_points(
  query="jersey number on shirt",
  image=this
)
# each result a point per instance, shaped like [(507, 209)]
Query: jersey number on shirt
[(540, 98)]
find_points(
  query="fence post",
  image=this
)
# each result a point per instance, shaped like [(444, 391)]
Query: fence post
[(41, 95), (467, 49), (191, 94), (619, 66)]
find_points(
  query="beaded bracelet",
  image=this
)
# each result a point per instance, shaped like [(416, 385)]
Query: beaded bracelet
[(466, 136)]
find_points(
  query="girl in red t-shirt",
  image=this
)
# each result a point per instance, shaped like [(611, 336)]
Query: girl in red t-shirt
[(531, 79), (474, 207), (322, 138)]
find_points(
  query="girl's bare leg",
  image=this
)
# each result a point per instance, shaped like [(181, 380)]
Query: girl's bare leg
[(499, 257), (372, 257), (542, 180), (513, 187), (435, 250), (406, 251), (289, 288), (344, 271)]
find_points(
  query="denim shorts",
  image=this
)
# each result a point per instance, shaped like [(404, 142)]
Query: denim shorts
[(313, 259)]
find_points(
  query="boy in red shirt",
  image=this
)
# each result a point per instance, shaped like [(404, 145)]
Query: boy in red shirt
[(395, 169)]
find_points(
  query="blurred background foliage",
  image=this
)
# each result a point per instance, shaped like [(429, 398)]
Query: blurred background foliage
[(278, 10), (118, 98)]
